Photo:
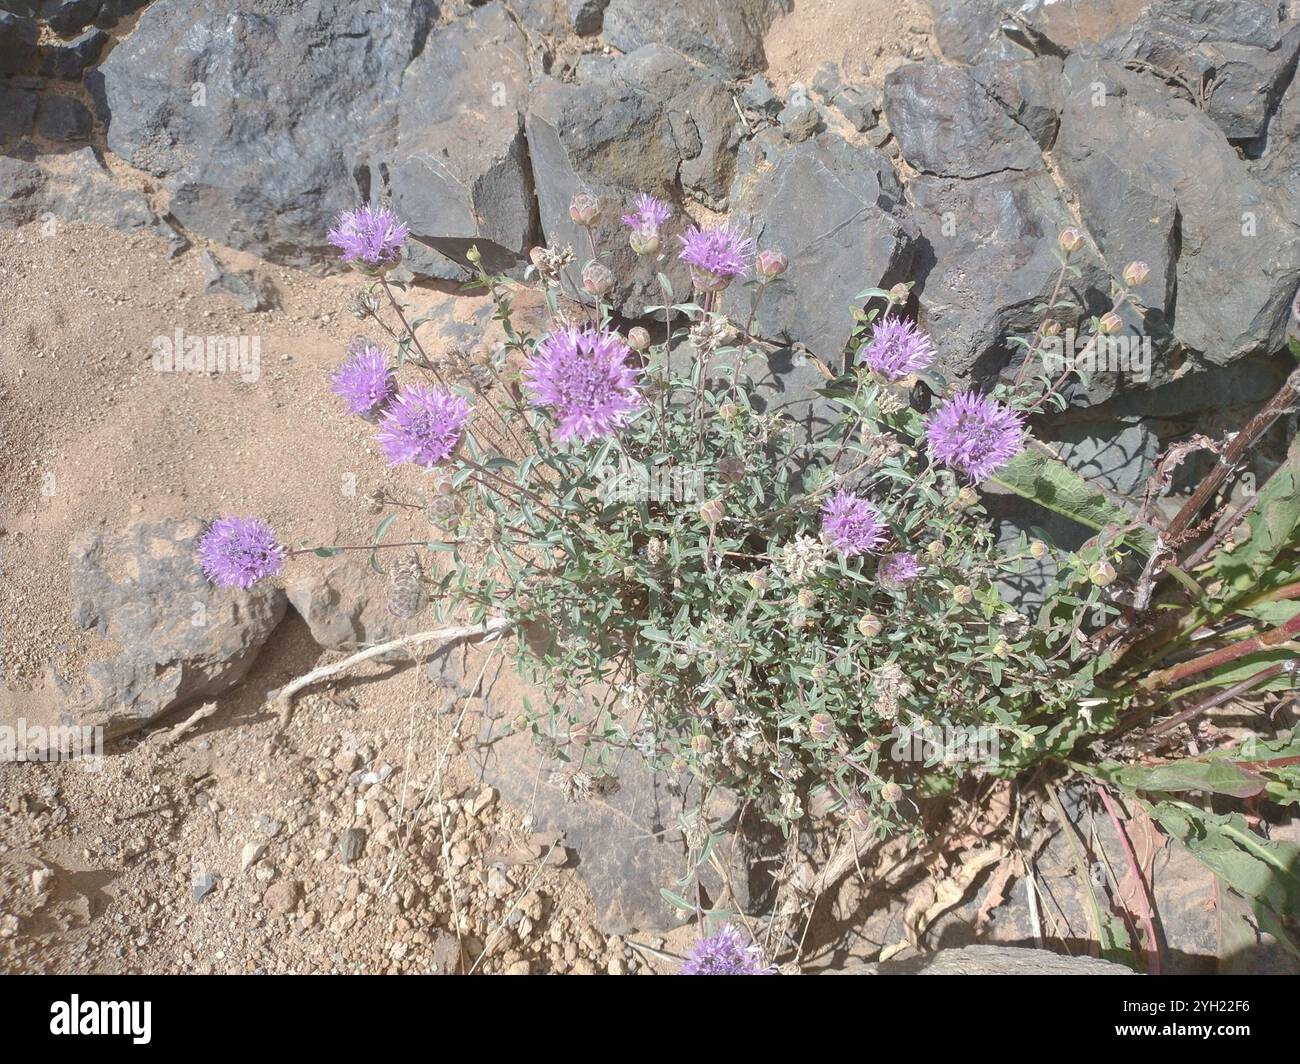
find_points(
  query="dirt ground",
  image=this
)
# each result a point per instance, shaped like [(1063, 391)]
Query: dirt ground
[(224, 852)]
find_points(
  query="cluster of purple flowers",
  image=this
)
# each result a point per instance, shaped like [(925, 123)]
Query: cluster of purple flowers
[(716, 256), (899, 569), (239, 551), (898, 348), (422, 425), (586, 379), (851, 524), (369, 237), (975, 434), (364, 381), (727, 952), (650, 214)]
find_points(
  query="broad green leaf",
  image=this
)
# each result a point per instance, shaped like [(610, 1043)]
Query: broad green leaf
[(1274, 524)]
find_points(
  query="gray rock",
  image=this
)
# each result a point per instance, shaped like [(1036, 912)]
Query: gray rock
[(265, 124), (204, 885), (352, 844), (727, 33), (542, 16), (254, 293), (1238, 261), (975, 31), (1119, 458), (758, 97), (970, 31), (1029, 90), (345, 603), (833, 208), (1240, 47), (69, 17), (946, 124), (991, 260), (587, 16), (21, 186), (460, 172), (111, 12), (799, 121), (18, 43), (179, 638), (860, 106), (987, 960), (67, 60), (1278, 166), (17, 113), (827, 81), (62, 118)]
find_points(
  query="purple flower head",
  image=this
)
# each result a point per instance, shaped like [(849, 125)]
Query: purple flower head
[(725, 953), (899, 569), (715, 256), (422, 425), (364, 381), (369, 236), (852, 525), (583, 377), (239, 551), (649, 215), (975, 434), (898, 348)]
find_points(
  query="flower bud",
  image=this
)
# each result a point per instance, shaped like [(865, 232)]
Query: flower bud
[(758, 580), (644, 240), (725, 709), (712, 511), (474, 255), (1051, 327), (1136, 273), (967, 497), (731, 469), (819, 672), (806, 599), (962, 595), (537, 255), (638, 339), (1001, 649), (869, 625), (1071, 239), (934, 549), (597, 278), (899, 294), (629, 573), (891, 792), (584, 208), (701, 744), (727, 411), (1102, 573), (1038, 550), (1110, 323), (678, 766), (770, 264), (821, 727)]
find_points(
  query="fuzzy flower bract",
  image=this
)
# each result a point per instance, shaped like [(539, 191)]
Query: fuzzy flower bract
[(851, 524), (898, 348), (369, 236), (725, 953), (716, 255), (364, 381), (239, 551), (585, 378), (975, 434), (422, 425)]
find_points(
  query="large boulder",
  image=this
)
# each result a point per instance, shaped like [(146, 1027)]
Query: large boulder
[(460, 168), (179, 639), (835, 209), (1130, 150), (948, 124), (264, 119), (726, 33)]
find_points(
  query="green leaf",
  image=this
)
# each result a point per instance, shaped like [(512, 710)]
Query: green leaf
[(1056, 487), (379, 534), (1189, 774), (1273, 524)]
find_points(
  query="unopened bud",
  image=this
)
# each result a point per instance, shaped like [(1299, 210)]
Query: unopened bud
[(725, 710), (638, 339), (597, 278), (1136, 273), (891, 792), (473, 254), (584, 208), (869, 625), (1001, 649), (1038, 550), (644, 240), (821, 727), (934, 549), (1071, 239), (758, 581), (712, 511), (806, 599), (1110, 323), (899, 294), (727, 411), (732, 469), (1102, 574), (701, 744), (962, 595), (770, 264), (967, 497), (819, 672)]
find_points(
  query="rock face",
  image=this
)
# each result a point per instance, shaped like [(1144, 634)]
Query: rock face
[(989, 960), (460, 168), (344, 602), (1238, 262), (726, 33), (180, 639), (835, 210), (264, 119)]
